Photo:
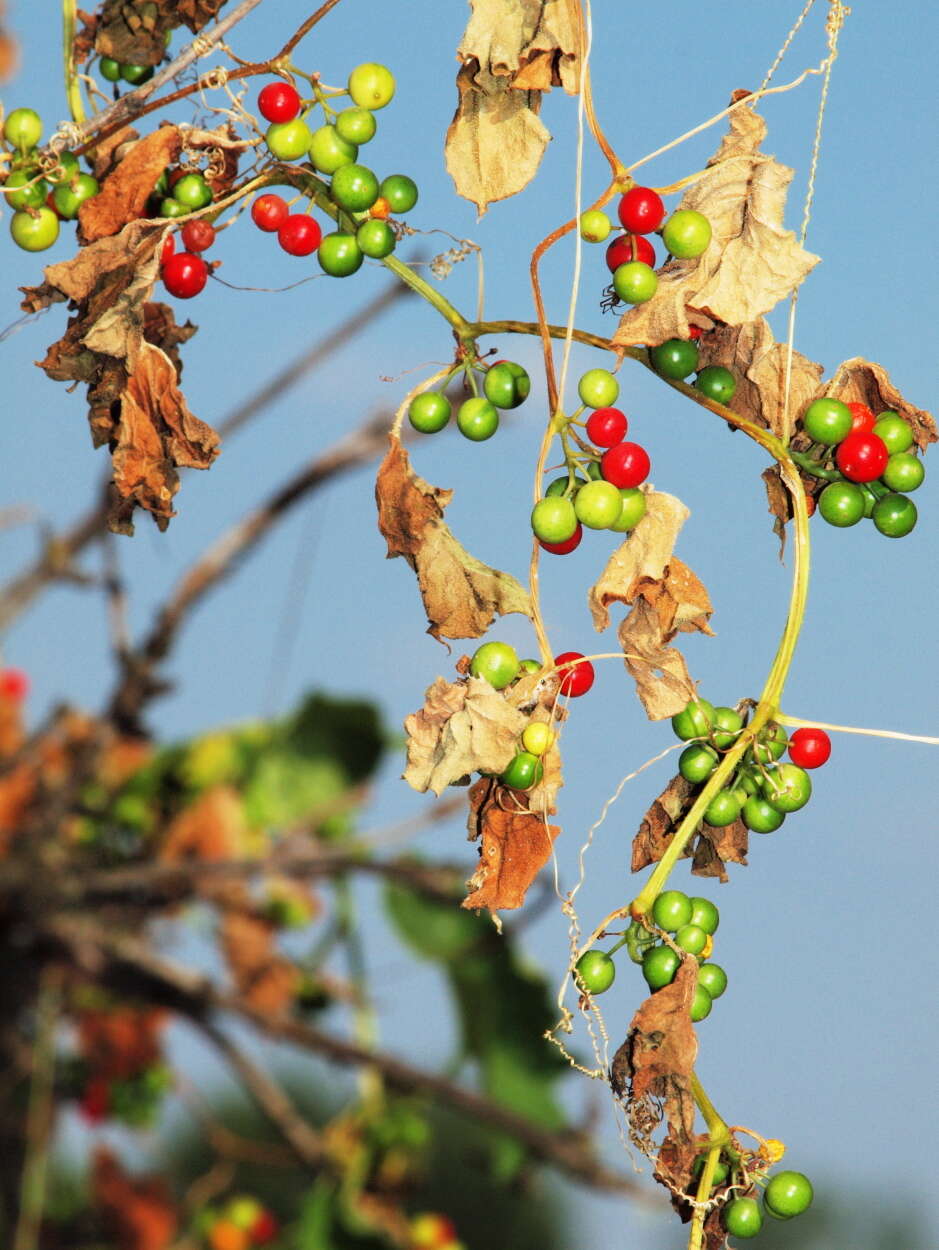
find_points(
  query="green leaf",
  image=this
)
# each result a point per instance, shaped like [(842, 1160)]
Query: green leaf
[(433, 930)]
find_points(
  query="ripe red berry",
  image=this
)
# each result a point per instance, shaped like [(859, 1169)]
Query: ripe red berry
[(620, 252), (862, 419), (577, 679), (625, 465), (269, 212), (185, 275), (14, 684), (169, 247), (197, 236), (695, 332), (566, 547), (279, 102), (606, 426), (862, 457), (264, 1229), (299, 235), (95, 1100), (641, 210), (809, 747)]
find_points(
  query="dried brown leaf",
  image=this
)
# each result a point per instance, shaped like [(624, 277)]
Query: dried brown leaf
[(642, 558), (124, 194), (210, 829), (461, 594), (463, 727), (536, 45), (133, 31), (654, 1065), (709, 849), (264, 978), (121, 1041), (156, 434), (751, 263), (137, 1211), (864, 382), (515, 846)]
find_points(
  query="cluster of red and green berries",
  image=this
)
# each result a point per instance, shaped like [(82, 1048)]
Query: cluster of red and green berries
[(870, 464), (692, 923), (242, 1223), (40, 200), (185, 273), (498, 663), (787, 1194), (608, 496), (761, 791), (505, 385), (431, 1231), (630, 257), (134, 1099), (363, 203)]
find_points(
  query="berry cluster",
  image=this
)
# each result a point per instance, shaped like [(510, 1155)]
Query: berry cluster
[(505, 385), (869, 464), (608, 497), (241, 1224), (761, 791), (498, 663), (692, 922), (40, 198), (363, 204), (186, 273), (630, 257), (787, 1194)]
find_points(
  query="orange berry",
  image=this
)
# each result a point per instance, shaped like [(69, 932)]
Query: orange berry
[(228, 1236), (381, 208)]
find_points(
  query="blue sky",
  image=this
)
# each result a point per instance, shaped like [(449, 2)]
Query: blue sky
[(826, 1035)]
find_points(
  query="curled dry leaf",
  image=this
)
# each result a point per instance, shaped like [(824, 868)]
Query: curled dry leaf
[(510, 54), (751, 263), (463, 727), (864, 382), (709, 849), (138, 1211), (652, 1068), (515, 844), (124, 194), (461, 594), (666, 597), (265, 979), (210, 829), (155, 434)]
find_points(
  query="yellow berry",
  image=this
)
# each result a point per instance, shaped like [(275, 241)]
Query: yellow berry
[(537, 737)]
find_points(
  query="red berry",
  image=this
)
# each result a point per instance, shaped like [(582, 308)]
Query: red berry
[(95, 1100), (279, 102), (641, 210), (606, 426), (299, 235), (169, 247), (809, 747), (264, 1229), (625, 465), (577, 679), (197, 236), (620, 252), (695, 332), (185, 275), (566, 547), (14, 684), (862, 419), (862, 457), (269, 212)]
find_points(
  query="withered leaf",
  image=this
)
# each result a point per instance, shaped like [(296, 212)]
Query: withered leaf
[(160, 329), (155, 434), (759, 364), (654, 1064), (709, 849), (643, 557), (124, 193), (515, 846), (137, 1211), (667, 598), (265, 979), (461, 594), (463, 727), (510, 54), (212, 828), (751, 263), (132, 31)]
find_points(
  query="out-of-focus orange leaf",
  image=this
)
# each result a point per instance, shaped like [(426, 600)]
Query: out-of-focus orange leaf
[(138, 1211), (265, 979), (122, 1041), (210, 829)]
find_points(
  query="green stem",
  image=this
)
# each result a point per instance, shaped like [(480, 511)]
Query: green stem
[(72, 87), (812, 467), (39, 1114), (365, 1021)]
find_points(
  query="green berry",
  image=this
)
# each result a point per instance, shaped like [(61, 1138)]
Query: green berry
[(376, 239), (704, 914), (429, 412), (695, 720), (671, 910), (659, 965), (553, 520), (328, 150), (371, 85), (477, 420), (400, 191), (23, 129), (595, 972), (497, 662), (697, 762), (354, 188), (701, 1004), (713, 978), (675, 358), (598, 505), (356, 125), (723, 809), (894, 515), (523, 772), (894, 431), (339, 255), (595, 226)]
